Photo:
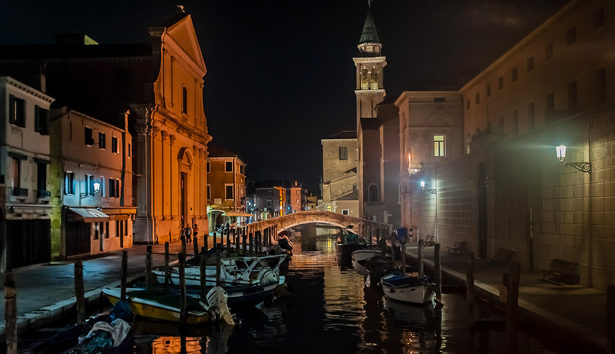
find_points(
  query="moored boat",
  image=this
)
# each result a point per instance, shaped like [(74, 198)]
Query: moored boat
[(164, 305), (408, 289)]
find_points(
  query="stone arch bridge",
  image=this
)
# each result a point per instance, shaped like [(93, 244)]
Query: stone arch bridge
[(363, 227)]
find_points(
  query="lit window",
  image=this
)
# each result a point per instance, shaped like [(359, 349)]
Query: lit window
[(439, 147)]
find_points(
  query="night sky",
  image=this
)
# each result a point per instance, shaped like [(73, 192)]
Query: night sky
[(280, 72)]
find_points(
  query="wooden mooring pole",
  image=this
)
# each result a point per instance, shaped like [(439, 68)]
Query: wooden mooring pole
[(218, 266), (512, 310), (437, 271), (203, 273), (403, 257), (244, 236), (79, 291), (470, 292), (251, 244), (420, 256), (610, 319), (183, 313), (124, 274), (167, 269), (10, 313), (148, 267), (195, 244)]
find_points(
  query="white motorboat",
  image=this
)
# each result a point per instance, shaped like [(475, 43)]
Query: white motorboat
[(408, 289), (361, 257)]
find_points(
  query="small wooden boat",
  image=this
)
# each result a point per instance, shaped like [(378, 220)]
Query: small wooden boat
[(163, 305), (107, 333), (361, 257), (408, 289)]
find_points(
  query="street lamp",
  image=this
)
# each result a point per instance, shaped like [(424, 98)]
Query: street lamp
[(581, 166), (432, 191)]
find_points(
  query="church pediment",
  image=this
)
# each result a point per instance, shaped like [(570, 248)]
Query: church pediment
[(183, 34)]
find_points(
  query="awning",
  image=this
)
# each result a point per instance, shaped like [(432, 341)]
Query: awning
[(87, 215), (237, 213)]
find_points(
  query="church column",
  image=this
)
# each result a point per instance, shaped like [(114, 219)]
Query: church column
[(163, 138), (143, 221), (171, 187)]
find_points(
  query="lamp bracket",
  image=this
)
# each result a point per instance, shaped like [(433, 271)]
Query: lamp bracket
[(432, 191), (581, 166)]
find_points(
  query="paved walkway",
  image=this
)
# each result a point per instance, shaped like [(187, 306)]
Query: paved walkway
[(44, 292), (571, 310)]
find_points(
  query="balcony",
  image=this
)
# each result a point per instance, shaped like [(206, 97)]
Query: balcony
[(19, 192), (43, 194)]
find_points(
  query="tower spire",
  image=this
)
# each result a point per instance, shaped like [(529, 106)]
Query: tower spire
[(369, 42)]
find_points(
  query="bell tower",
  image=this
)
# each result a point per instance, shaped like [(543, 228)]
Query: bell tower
[(369, 87)]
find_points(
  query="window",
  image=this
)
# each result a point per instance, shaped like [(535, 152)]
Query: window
[(114, 188), (184, 100), (477, 97), (550, 102), (439, 147), (373, 193), (513, 74), (208, 170), (571, 36), (515, 123), (530, 115), (69, 183), (103, 188), (228, 191), (106, 229), (129, 150), (229, 166), (601, 85), (500, 83), (96, 231), (468, 103), (16, 175), (102, 140), (488, 90), (345, 212), (549, 51), (268, 203), (89, 137), (599, 18), (530, 64), (17, 111), (41, 120), (89, 185), (114, 146), (209, 192), (242, 170), (572, 96), (343, 152)]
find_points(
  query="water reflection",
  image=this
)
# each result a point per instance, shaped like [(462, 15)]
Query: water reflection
[(330, 311)]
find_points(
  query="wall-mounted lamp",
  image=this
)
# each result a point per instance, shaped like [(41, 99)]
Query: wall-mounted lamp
[(581, 166), (432, 191), (96, 187), (415, 169)]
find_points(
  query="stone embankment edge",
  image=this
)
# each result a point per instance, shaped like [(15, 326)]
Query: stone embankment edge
[(528, 311), (45, 315)]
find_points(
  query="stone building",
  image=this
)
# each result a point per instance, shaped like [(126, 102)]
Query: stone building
[(508, 189), (24, 175), (160, 85), (226, 188), (340, 192), (91, 181)]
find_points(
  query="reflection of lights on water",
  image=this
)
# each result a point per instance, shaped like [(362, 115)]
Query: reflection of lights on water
[(172, 345), (329, 245)]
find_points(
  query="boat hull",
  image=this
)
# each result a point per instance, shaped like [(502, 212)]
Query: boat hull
[(157, 311), (407, 289), (344, 250)]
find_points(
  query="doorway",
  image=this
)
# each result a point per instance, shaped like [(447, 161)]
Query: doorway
[(482, 212), (183, 198)]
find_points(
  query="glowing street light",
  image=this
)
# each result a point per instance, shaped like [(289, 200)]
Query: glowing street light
[(432, 191), (581, 166)]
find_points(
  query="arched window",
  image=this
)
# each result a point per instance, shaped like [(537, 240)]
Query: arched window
[(184, 100), (373, 193)]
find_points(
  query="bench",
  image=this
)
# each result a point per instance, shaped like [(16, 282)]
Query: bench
[(502, 257), (429, 241), (457, 248), (560, 271)]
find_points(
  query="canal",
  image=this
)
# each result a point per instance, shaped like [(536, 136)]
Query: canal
[(330, 311)]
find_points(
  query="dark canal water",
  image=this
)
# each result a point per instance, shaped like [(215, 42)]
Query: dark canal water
[(330, 311)]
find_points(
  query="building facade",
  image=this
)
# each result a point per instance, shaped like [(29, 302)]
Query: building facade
[(340, 191), (91, 181), (226, 188), (508, 189), (24, 175)]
